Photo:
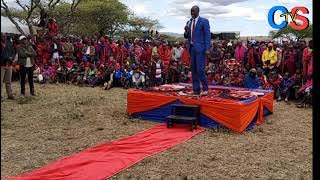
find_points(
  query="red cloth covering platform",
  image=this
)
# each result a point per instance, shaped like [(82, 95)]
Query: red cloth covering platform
[(235, 108), (106, 160)]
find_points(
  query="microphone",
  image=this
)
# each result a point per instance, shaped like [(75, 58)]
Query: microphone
[(186, 28)]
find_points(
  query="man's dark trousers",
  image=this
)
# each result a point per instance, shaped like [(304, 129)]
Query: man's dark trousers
[(24, 71)]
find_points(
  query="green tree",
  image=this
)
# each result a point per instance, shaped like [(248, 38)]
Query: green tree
[(105, 16), (143, 24), (290, 33), (84, 17), (24, 14), (28, 12), (136, 26), (171, 38)]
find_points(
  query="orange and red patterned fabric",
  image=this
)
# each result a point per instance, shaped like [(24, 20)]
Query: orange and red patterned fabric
[(235, 115)]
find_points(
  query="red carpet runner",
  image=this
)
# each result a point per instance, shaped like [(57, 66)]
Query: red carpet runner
[(106, 160)]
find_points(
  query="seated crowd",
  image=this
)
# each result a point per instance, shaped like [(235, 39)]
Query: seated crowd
[(101, 61)]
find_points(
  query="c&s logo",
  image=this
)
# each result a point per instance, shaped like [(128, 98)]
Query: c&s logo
[(294, 16)]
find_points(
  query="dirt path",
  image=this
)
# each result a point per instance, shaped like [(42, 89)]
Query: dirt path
[(63, 120)]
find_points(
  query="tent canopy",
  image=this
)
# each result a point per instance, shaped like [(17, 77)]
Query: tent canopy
[(8, 27)]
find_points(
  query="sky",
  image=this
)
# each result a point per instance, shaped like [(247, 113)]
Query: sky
[(247, 16)]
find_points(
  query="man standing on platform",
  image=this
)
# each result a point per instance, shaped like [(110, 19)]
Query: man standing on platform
[(197, 31)]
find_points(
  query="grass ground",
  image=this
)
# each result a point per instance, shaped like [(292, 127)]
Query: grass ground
[(63, 119)]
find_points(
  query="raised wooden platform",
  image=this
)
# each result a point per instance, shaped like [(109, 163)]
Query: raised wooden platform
[(237, 109)]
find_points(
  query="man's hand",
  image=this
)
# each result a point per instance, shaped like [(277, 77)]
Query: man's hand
[(186, 28)]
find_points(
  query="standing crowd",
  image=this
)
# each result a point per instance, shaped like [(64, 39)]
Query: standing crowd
[(100, 61)]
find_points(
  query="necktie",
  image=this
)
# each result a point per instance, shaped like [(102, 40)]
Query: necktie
[(193, 28)]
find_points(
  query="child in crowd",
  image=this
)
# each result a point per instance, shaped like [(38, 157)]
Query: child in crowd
[(49, 74), (127, 78), (210, 75), (138, 78), (275, 81), (298, 79), (184, 77), (56, 51), (117, 76), (80, 75), (72, 73), (91, 76), (305, 93), (246, 69), (37, 76), (285, 88), (237, 79), (99, 75), (108, 78), (263, 79), (62, 73), (173, 74), (226, 79), (156, 70), (218, 78)]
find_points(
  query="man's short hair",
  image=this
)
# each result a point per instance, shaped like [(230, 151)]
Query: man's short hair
[(196, 7)]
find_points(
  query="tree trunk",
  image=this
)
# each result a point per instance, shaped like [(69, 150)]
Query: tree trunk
[(30, 28), (17, 25)]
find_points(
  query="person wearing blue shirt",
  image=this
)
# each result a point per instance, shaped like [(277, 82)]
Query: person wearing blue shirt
[(285, 88), (251, 80), (117, 78), (127, 78)]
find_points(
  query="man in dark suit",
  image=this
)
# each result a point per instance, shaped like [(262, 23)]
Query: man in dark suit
[(197, 31)]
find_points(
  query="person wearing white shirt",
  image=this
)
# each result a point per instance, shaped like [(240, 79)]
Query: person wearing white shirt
[(194, 23), (176, 52), (138, 78)]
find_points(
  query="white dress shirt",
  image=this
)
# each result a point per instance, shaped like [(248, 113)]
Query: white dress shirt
[(28, 63), (196, 20)]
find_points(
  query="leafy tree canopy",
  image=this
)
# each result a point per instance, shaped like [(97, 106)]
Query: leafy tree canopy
[(290, 33)]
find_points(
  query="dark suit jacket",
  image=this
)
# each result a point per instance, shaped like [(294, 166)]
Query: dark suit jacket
[(7, 54)]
